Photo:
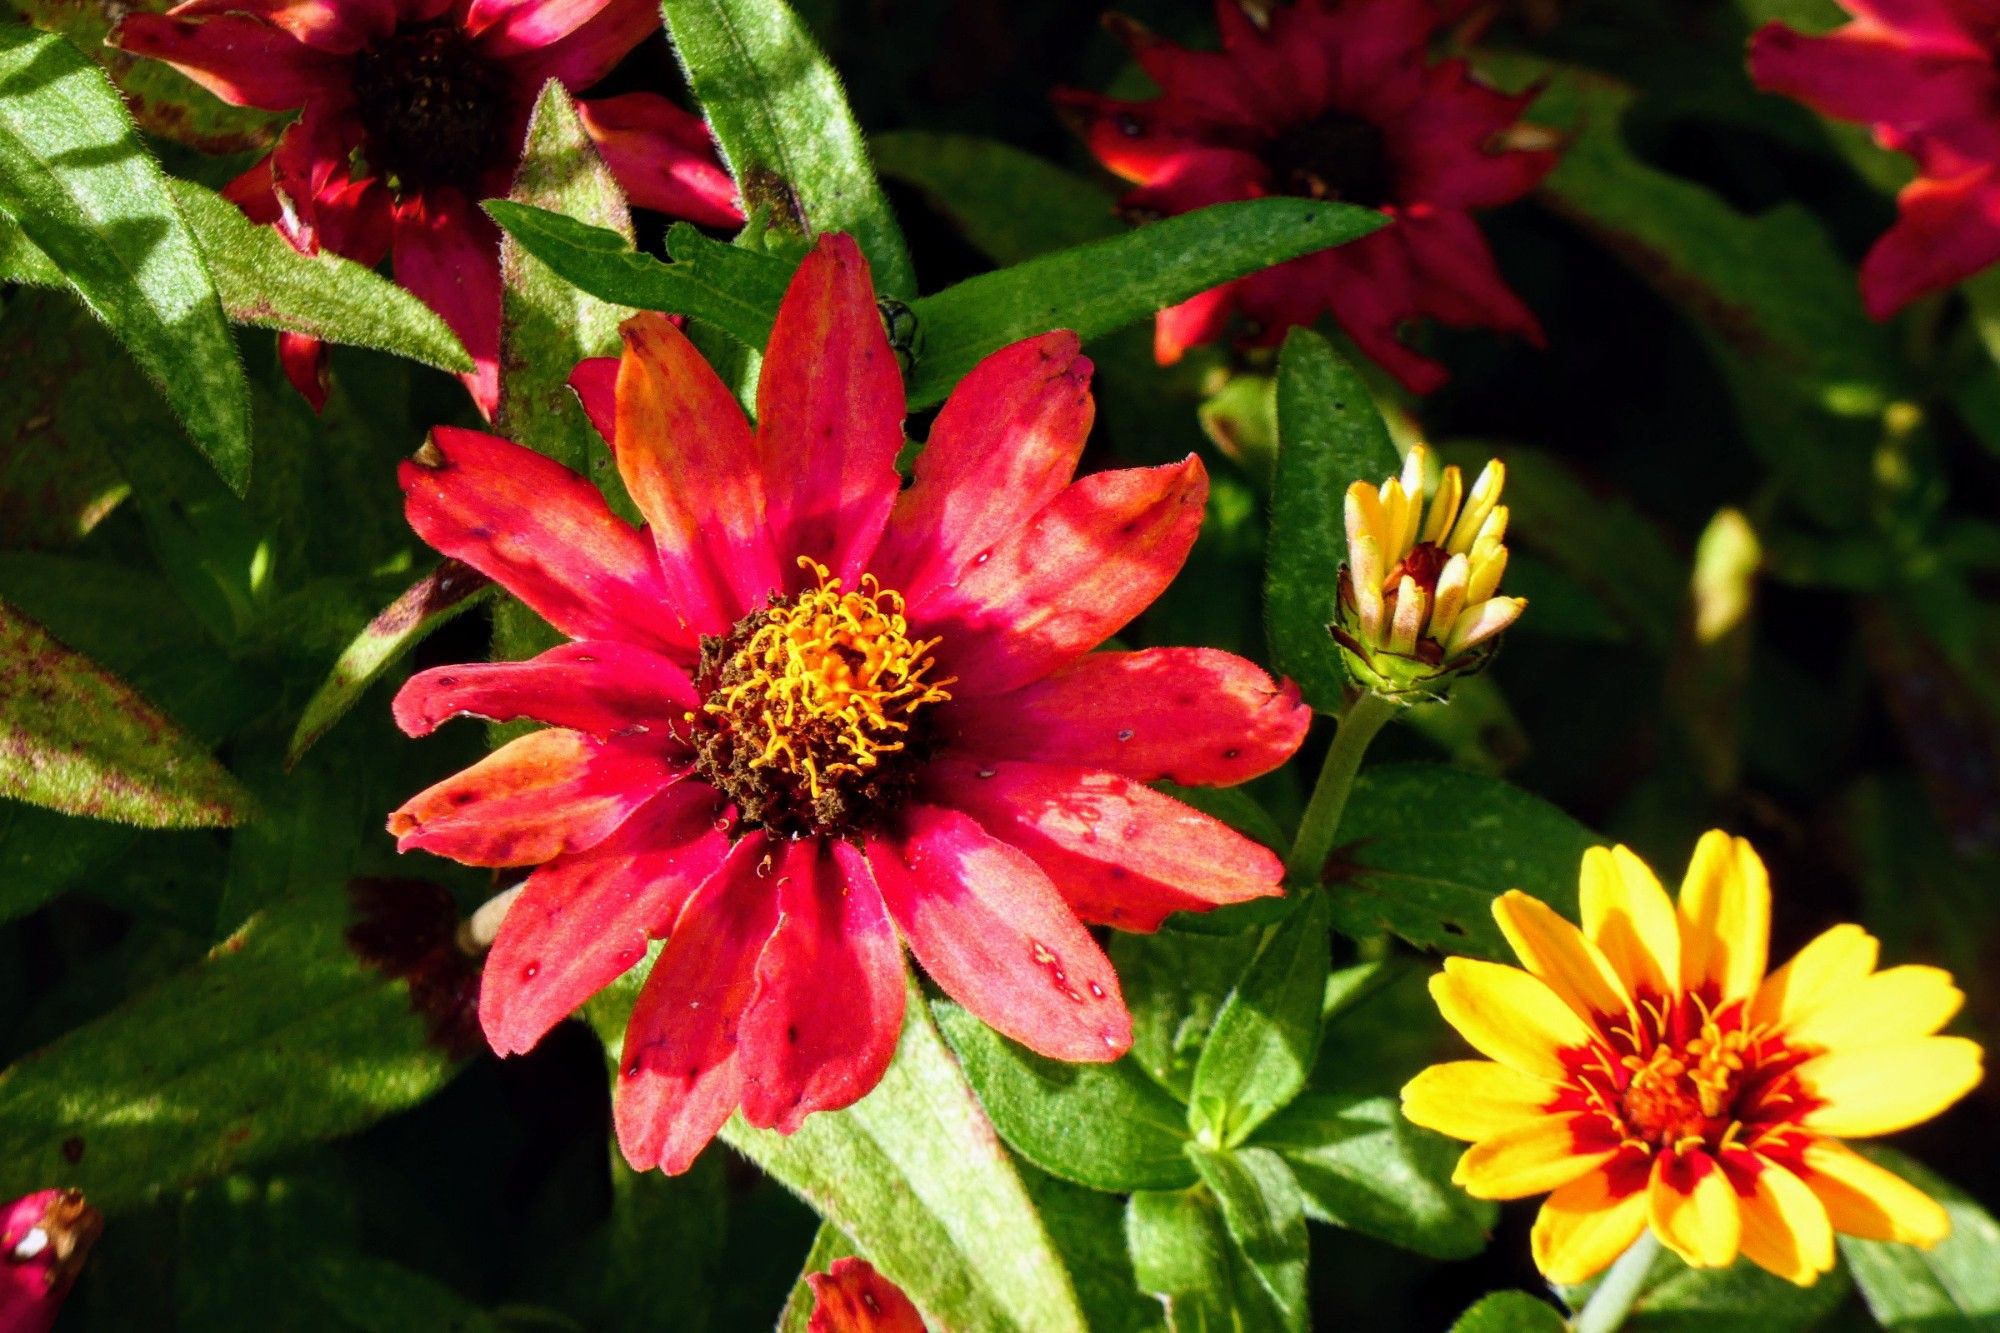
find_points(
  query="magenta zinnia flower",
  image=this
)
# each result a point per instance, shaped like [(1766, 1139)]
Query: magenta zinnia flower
[(1923, 74), (1335, 99), (43, 1240), (412, 112), (807, 709)]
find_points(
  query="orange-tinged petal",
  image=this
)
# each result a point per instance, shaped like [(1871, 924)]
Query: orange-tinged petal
[(1865, 1200), (1824, 970), (1883, 1089), (1533, 1158), (1476, 1099), (1899, 1005), (1586, 1225), (1629, 917), (1785, 1228), (1693, 1209), (1557, 952), (1508, 1015), (1725, 910)]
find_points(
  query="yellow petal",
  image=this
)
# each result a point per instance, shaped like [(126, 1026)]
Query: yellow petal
[(1694, 1211), (1865, 1200), (1487, 567), (1529, 1159), (1397, 505), (1583, 1227), (1725, 917), (1444, 506), (1785, 1229), (1485, 494), (1482, 620), (1896, 1006), (1476, 1099), (1449, 598), (1628, 916), (1411, 604), (1365, 516), (1415, 465), (1882, 1089), (1556, 951), (1509, 1016), (1824, 970)]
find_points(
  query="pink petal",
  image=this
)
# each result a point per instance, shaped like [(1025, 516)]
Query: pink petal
[(1005, 443), (44, 1240), (688, 461), (1945, 230), (1121, 853), (545, 534), (447, 254), (535, 798), (828, 1007), (589, 52), (509, 27), (595, 383), (602, 688), (243, 61), (340, 27), (1091, 560), (679, 1077), (830, 413), (1201, 318), (1871, 75), (1196, 716), (583, 920), (991, 930), (663, 158)]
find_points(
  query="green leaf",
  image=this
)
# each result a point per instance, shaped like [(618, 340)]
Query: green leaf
[(282, 1037), (373, 1295), (1955, 1285), (1510, 1312), (1101, 287), (1176, 982), (1088, 1228), (1429, 848), (1009, 205), (828, 1245), (1363, 1167), (1105, 1126), (75, 176), (75, 738), (1266, 1036), (1183, 1255), (1742, 1298), (1264, 1214), (1329, 437), (783, 124)]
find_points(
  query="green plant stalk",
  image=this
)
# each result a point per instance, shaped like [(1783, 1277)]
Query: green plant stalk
[(1612, 1301), (1364, 715)]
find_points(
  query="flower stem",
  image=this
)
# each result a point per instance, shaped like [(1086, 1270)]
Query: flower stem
[(1364, 715), (1612, 1301)]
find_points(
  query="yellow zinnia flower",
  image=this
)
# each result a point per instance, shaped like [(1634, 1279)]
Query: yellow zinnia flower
[(1417, 594), (1646, 1070)]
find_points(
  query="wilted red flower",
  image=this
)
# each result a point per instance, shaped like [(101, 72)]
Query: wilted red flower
[(851, 1297), (43, 1240), (1335, 99), (412, 112), (1921, 72), (816, 703)]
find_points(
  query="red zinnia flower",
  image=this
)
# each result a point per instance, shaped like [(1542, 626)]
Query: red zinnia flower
[(1336, 99), (815, 703), (851, 1297), (413, 111), (1922, 73)]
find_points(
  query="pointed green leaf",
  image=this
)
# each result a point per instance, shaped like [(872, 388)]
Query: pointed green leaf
[(1264, 1214), (1183, 1255), (1266, 1035), (1955, 1285), (1176, 982), (86, 193), (1510, 1312)]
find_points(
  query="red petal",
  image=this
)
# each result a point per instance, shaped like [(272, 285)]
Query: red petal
[(828, 1008), (1457, 282), (304, 361), (595, 383), (663, 158), (583, 920), (1122, 854), (851, 1297), (1136, 140), (679, 1078), (532, 800), (447, 254), (1442, 144), (1945, 230), (545, 534), (1091, 560), (587, 54), (1195, 716), (1005, 443), (991, 930), (243, 61), (1208, 84), (1864, 74), (509, 27), (600, 687), (1199, 319), (687, 458), (830, 413), (340, 27)]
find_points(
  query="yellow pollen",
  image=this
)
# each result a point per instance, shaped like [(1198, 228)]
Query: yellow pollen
[(1676, 1089), (838, 665)]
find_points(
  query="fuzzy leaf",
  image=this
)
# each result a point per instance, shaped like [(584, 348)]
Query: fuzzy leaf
[(1104, 1126), (1329, 437), (1183, 1255), (783, 124), (1510, 1312), (1009, 205), (86, 193), (1955, 1285), (1176, 982), (1266, 1035), (1264, 1214)]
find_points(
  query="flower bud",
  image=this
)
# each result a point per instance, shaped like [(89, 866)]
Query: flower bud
[(43, 1240)]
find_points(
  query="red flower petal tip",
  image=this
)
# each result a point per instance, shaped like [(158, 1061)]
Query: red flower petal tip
[(44, 1239), (851, 1297)]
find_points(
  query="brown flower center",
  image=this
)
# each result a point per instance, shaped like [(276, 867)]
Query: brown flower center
[(814, 717), (1335, 155), (1687, 1091), (431, 105)]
